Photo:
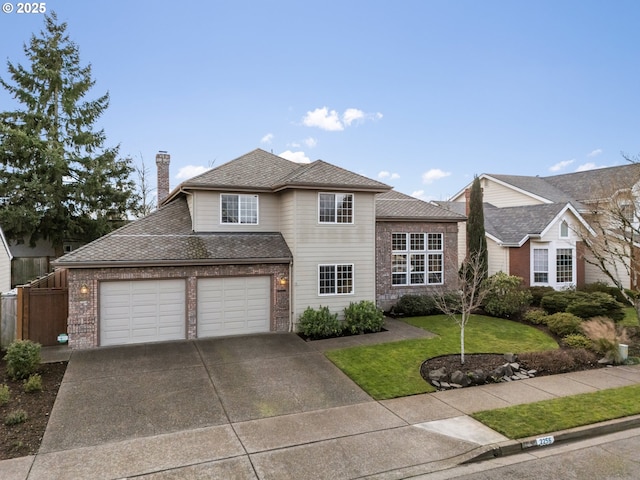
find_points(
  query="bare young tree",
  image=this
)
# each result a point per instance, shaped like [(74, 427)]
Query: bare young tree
[(472, 289), (145, 191)]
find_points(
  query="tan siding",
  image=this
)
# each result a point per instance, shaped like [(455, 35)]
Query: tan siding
[(502, 196), (5, 270), (498, 258), (207, 214), (314, 244)]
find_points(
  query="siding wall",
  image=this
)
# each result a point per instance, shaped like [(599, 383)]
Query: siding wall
[(313, 244), (501, 196), (206, 207), (498, 258)]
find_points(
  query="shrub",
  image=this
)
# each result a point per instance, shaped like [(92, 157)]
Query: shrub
[(554, 360), (23, 357), (506, 295), (558, 301), (563, 324), (536, 316), (577, 340), (537, 293), (4, 394), (603, 287), (319, 323), (606, 336), (363, 317), (15, 417), (33, 383), (597, 304), (415, 306)]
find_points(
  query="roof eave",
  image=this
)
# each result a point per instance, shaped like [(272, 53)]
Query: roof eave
[(420, 219), (170, 263)]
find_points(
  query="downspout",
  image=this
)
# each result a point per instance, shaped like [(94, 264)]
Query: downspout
[(291, 326)]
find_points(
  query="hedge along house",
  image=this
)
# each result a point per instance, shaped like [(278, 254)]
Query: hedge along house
[(243, 248)]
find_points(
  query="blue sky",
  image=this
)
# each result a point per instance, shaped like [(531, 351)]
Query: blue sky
[(420, 94)]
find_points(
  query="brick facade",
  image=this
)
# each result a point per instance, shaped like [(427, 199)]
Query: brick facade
[(386, 293), (520, 262), (83, 328)]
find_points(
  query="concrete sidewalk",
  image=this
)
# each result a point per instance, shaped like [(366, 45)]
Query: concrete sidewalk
[(226, 436)]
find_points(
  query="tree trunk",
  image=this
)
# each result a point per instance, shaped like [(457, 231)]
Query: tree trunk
[(462, 344)]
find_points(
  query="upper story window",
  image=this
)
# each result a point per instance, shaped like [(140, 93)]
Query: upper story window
[(239, 209), (417, 259), (564, 229), (335, 208)]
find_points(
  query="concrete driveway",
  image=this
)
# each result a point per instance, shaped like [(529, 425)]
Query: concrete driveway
[(118, 393)]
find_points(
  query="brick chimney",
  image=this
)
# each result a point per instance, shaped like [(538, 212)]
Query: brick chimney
[(467, 200), (162, 164)]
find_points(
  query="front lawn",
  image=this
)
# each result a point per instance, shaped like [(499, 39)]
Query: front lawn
[(521, 421), (392, 369)]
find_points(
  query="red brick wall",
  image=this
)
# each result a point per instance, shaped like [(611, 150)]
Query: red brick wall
[(520, 263), (386, 293), (83, 328)]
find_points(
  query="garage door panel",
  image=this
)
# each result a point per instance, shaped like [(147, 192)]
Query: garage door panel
[(233, 305), (142, 311)]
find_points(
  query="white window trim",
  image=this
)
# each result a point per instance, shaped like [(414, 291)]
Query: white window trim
[(335, 208), (409, 253), (552, 265), (240, 195), (564, 222), (336, 294)]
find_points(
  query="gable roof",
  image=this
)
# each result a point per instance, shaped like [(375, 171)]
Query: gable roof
[(261, 171), (394, 205), (537, 186), (165, 238)]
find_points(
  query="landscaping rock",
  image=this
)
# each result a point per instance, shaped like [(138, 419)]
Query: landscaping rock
[(438, 375), (458, 377), (510, 357)]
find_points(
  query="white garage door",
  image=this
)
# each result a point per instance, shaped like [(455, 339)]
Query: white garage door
[(142, 311), (233, 305)]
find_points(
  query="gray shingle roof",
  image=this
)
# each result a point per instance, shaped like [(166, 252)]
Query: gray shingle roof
[(513, 225), (260, 170), (598, 184), (165, 238), (394, 205), (537, 186)]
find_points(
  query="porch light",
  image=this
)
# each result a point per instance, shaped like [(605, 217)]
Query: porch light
[(84, 289), (282, 281)]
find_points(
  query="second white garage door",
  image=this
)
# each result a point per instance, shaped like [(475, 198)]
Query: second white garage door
[(233, 306), (142, 311)]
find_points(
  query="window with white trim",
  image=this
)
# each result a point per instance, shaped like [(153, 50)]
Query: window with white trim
[(564, 265), (540, 265), (417, 259), (239, 209), (564, 229), (335, 208), (335, 279)]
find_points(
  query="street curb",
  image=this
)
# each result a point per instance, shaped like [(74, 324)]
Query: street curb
[(512, 447)]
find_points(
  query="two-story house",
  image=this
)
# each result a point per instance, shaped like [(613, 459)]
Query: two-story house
[(246, 247), (536, 227)]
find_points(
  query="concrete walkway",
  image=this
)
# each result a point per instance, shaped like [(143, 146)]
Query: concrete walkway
[(236, 408)]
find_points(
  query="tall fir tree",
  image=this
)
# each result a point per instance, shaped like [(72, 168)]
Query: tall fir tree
[(476, 239), (58, 181)]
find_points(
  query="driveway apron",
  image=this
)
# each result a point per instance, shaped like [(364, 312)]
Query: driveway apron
[(121, 393)]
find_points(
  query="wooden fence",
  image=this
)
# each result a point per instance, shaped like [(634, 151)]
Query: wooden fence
[(42, 309)]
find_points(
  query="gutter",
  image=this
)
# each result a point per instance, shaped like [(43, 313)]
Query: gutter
[(170, 263)]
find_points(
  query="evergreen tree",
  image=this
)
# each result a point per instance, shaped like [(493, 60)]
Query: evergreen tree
[(476, 239), (57, 180)]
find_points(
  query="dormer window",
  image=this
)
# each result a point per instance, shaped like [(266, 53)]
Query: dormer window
[(564, 229), (239, 209), (335, 208)]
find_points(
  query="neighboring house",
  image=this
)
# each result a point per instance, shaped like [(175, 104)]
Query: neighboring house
[(248, 246), (532, 223), (5, 264)]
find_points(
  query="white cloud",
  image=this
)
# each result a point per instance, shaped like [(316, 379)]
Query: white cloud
[(268, 138), (324, 119), (420, 195), (389, 175), (331, 121), (595, 152), (310, 142), (298, 157), (190, 171), (433, 175), (560, 165), (351, 115), (586, 166)]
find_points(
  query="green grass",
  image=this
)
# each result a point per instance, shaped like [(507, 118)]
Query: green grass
[(630, 317), (392, 369), (521, 421)]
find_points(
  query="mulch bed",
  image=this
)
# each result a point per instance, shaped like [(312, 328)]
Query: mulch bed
[(24, 438)]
